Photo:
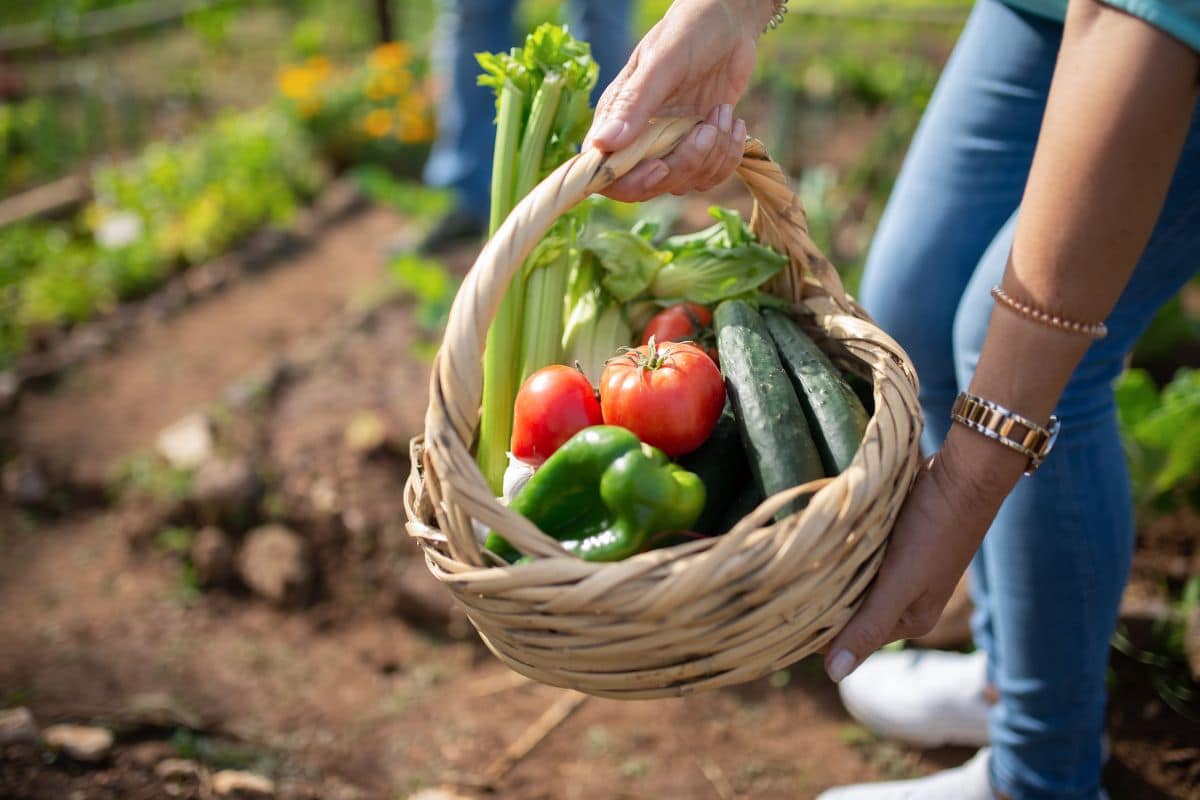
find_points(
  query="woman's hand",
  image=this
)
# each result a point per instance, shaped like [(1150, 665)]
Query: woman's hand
[(697, 60), (952, 503)]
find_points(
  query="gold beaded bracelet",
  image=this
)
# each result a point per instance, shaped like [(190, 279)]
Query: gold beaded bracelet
[(1096, 330), (776, 15)]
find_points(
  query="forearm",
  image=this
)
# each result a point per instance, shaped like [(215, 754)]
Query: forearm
[(1120, 105)]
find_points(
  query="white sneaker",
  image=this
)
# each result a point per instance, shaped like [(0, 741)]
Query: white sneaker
[(926, 698), (971, 781), (968, 782)]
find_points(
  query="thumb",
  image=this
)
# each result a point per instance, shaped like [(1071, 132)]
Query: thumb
[(867, 631), (627, 106)]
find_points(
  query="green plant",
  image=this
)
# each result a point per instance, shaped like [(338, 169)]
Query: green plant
[(410, 198), (1161, 432), (196, 198), (429, 284)]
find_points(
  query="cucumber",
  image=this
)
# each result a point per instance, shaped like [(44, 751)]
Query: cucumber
[(746, 501), (780, 448), (835, 414), (722, 466)]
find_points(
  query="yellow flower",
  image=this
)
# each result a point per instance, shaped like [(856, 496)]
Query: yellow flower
[(378, 123), (319, 66), (392, 55), (296, 82), (375, 89)]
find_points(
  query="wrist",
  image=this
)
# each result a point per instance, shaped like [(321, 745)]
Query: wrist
[(981, 471), (752, 16)]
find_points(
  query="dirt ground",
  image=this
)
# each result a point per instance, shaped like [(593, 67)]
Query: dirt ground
[(373, 687)]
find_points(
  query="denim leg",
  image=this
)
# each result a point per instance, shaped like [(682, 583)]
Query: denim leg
[(962, 178), (606, 25), (1057, 557), (462, 154)]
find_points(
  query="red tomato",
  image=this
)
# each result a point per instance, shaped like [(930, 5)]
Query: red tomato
[(669, 394), (554, 404), (683, 322)]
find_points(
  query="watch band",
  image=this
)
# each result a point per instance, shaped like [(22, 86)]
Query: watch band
[(1006, 427)]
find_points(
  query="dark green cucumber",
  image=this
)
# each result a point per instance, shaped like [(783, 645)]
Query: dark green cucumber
[(770, 418), (835, 414), (746, 501), (721, 464)]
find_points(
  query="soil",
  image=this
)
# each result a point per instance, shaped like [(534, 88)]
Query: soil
[(376, 688)]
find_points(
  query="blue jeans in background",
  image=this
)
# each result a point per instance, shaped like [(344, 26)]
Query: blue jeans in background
[(1048, 579), (462, 154)]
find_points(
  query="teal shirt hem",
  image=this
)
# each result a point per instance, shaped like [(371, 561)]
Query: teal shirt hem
[(1177, 18)]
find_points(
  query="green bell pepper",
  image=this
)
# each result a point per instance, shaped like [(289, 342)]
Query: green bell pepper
[(604, 493)]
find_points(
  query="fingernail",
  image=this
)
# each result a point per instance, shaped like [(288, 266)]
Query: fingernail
[(656, 175), (725, 119), (739, 131), (609, 131), (706, 137), (841, 665)]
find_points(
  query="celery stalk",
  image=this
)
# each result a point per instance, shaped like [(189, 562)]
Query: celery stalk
[(500, 379), (542, 113)]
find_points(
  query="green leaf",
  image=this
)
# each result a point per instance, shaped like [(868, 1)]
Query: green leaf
[(629, 261), (1137, 397), (710, 275)]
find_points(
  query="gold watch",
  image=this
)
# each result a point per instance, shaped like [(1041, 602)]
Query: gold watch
[(1006, 427)]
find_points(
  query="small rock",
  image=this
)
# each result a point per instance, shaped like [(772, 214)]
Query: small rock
[(145, 755), (162, 710), (275, 563), (224, 486), (212, 556), (235, 783), (17, 726), (80, 742), (418, 597), (366, 433), (437, 794), (178, 770), (10, 390), (25, 483), (186, 443)]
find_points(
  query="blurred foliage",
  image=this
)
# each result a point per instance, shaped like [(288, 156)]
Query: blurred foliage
[(377, 111), (414, 200), (193, 199), (1161, 430), (177, 203)]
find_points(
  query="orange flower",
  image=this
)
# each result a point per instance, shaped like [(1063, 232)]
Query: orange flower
[(319, 66), (392, 55), (378, 123), (296, 83)]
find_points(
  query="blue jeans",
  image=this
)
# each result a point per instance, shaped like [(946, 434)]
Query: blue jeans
[(462, 154), (1047, 580)]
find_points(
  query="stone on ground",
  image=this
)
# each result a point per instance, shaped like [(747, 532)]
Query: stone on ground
[(17, 726), (275, 564), (81, 742), (242, 785), (186, 443)]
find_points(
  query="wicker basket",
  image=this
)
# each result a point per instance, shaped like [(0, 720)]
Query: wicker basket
[(696, 616)]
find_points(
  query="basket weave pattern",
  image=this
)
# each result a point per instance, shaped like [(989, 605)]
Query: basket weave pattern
[(709, 613)]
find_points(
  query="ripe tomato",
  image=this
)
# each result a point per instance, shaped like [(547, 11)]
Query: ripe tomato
[(683, 322), (554, 404), (669, 394)]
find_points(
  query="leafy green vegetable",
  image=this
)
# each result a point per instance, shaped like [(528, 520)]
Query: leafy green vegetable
[(708, 266), (542, 113)]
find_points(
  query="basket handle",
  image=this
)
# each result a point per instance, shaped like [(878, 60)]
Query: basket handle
[(456, 384)]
